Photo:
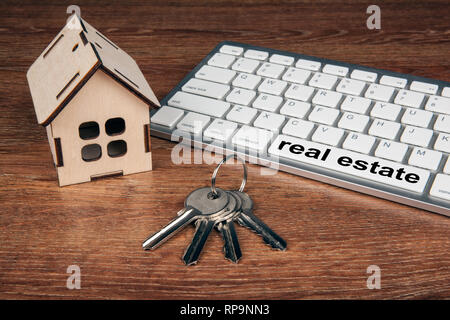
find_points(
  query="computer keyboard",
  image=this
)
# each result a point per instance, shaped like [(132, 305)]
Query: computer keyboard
[(373, 131)]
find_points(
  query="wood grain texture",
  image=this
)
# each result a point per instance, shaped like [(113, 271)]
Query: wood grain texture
[(333, 234)]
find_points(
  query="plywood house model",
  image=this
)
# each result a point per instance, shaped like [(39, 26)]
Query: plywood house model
[(94, 102)]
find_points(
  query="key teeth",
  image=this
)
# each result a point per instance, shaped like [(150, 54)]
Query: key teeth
[(281, 247), (227, 257), (192, 263), (276, 246)]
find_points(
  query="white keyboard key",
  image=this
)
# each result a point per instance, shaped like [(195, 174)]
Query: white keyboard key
[(443, 142), (323, 81), (438, 104), (349, 86), (272, 86), (308, 64), (206, 88), (241, 96), (424, 158), (246, 81), (417, 117), (442, 123), (296, 75), (270, 121), (242, 114), (267, 102), (363, 166), (323, 115), (447, 166), (424, 87), (192, 102), (245, 65), (384, 129), (167, 116), (327, 135), (359, 142), (294, 108), (441, 187), (193, 123), (327, 98), (284, 60), (446, 92), (393, 81), (391, 150), (336, 70), (353, 121), (215, 74), (409, 98), (384, 110), (234, 50), (270, 70), (298, 128), (299, 92), (416, 136), (221, 60), (364, 75), (220, 129), (256, 54), (252, 138), (356, 104), (379, 92)]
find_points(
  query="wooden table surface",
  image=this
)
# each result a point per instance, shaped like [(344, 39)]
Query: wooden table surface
[(333, 234)]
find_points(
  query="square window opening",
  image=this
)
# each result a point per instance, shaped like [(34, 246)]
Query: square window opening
[(91, 152), (117, 148), (89, 130), (115, 126)]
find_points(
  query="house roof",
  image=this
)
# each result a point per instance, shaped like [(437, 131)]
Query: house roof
[(71, 59)]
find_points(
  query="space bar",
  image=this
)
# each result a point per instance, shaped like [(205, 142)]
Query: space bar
[(360, 165), (192, 102)]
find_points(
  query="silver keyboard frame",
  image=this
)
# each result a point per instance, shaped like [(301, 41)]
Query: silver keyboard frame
[(422, 201)]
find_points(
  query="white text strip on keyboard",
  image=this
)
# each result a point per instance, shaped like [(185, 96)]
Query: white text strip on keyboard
[(192, 102), (356, 164)]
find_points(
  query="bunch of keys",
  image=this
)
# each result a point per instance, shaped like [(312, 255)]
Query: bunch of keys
[(212, 207)]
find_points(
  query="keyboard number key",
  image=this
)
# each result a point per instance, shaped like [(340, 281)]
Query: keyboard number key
[(409, 98), (349, 86), (221, 60), (379, 92)]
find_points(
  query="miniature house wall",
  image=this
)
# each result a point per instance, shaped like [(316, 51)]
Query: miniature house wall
[(94, 102)]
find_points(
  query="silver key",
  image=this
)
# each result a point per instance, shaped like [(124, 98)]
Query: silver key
[(197, 204), (231, 248), (249, 220), (205, 224)]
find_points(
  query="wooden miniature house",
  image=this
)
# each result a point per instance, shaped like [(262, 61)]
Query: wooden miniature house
[(94, 102)]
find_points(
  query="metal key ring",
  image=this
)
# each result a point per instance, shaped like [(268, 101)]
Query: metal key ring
[(213, 179)]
